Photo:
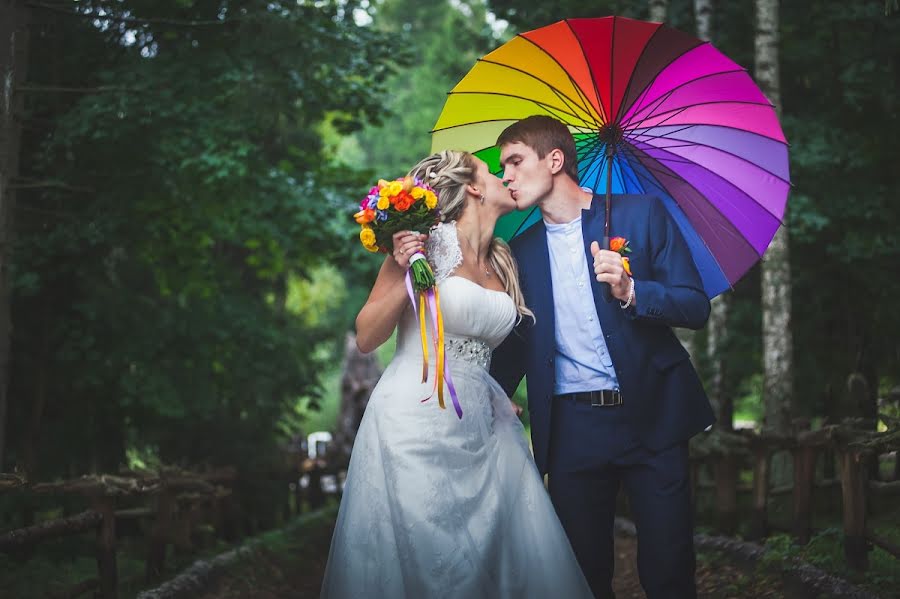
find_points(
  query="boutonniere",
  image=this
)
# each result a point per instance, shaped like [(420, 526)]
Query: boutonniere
[(620, 245)]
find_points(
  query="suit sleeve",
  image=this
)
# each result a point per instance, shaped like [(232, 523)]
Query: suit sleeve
[(674, 296), (508, 360)]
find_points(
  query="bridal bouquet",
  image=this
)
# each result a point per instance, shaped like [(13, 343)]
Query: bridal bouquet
[(405, 204), (409, 204)]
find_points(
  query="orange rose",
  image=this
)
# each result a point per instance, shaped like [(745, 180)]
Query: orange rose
[(617, 243), (364, 217), (403, 201)]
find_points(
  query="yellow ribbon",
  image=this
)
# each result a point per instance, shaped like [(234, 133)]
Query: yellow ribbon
[(439, 348), (424, 336)]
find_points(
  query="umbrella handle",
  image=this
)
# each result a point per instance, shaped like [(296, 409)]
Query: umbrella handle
[(605, 288)]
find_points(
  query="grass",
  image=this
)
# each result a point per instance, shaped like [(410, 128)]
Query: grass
[(825, 550)]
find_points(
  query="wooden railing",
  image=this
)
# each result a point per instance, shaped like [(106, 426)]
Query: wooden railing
[(853, 448), (194, 497)]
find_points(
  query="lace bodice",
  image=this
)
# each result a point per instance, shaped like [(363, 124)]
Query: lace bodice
[(443, 249), (470, 311)]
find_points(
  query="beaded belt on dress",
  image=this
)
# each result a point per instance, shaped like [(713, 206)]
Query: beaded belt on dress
[(469, 349)]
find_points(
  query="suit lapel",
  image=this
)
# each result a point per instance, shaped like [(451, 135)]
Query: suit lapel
[(541, 287)]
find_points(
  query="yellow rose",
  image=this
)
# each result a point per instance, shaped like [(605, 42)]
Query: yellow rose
[(418, 193), (385, 191), (383, 203), (395, 187), (367, 237), (430, 200)]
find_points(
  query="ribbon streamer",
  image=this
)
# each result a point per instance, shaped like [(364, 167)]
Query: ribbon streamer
[(430, 299)]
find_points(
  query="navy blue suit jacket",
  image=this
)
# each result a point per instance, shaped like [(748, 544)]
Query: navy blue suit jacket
[(664, 400)]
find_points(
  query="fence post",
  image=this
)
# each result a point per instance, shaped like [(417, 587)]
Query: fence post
[(156, 556), (726, 493), (759, 521), (804, 472), (105, 505), (853, 493)]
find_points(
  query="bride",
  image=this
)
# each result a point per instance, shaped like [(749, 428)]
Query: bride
[(435, 505)]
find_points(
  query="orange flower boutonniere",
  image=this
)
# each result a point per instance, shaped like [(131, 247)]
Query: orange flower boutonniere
[(620, 245)]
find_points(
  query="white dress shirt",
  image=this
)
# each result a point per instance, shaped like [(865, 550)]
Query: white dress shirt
[(582, 358)]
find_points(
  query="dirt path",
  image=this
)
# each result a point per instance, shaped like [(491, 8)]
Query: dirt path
[(295, 571)]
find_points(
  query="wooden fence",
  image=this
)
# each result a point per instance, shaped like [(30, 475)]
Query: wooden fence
[(854, 451), (176, 502)]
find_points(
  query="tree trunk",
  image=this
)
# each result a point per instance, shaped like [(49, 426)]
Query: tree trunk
[(716, 347), (659, 10), (361, 373), (703, 13), (13, 48), (717, 328), (776, 268)]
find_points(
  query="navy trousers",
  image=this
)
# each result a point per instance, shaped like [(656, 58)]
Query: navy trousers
[(593, 453)]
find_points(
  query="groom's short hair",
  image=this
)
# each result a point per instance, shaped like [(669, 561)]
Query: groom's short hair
[(543, 134)]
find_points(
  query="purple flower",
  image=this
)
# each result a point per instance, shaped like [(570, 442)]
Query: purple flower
[(381, 215)]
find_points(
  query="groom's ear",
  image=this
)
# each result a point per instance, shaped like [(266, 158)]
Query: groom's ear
[(556, 160)]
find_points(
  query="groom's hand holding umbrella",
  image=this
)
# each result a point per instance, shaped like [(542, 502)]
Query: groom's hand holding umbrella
[(608, 268)]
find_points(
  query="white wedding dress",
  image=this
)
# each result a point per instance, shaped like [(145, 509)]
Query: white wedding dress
[(435, 506)]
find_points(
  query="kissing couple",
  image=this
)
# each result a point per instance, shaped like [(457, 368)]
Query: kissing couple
[(440, 506)]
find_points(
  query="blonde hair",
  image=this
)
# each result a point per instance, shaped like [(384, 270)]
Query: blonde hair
[(448, 172)]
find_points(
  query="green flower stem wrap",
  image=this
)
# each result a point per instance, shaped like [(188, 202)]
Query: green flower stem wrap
[(421, 273)]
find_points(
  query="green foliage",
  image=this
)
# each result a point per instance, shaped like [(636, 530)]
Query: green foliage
[(443, 40), (825, 550), (156, 292)]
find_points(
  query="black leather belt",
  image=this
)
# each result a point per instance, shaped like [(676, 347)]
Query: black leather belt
[(598, 399)]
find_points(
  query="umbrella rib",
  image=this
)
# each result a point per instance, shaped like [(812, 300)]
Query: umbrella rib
[(693, 144), (678, 159), (612, 68), (595, 148), (621, 176), (563, 69), (681, 160), (681, 109), (676, 111), (589, 110), (524, 220), (668, 94), (590, 71), (548, 107), (633, 151), (646, 89), (509, 120), (684, 126), (653, 181)]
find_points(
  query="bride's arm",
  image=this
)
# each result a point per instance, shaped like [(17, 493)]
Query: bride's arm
[(378, 318), (388, 298)]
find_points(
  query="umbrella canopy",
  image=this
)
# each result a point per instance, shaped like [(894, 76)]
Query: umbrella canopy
[(685, 123)]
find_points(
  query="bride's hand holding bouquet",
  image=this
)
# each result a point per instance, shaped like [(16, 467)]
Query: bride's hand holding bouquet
[(391, 216)]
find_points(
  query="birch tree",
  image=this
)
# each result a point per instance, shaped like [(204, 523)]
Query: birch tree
[(717, 327), (776, 270), (659, 10)]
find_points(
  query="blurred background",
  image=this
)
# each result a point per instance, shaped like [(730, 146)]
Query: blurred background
[(179, 271)]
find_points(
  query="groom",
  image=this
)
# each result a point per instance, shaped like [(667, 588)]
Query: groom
[(612, 395)]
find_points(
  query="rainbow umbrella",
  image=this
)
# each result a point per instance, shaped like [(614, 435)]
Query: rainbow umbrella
[(653, 110)]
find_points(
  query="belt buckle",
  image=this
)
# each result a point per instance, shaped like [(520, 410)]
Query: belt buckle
[(598, 398)]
